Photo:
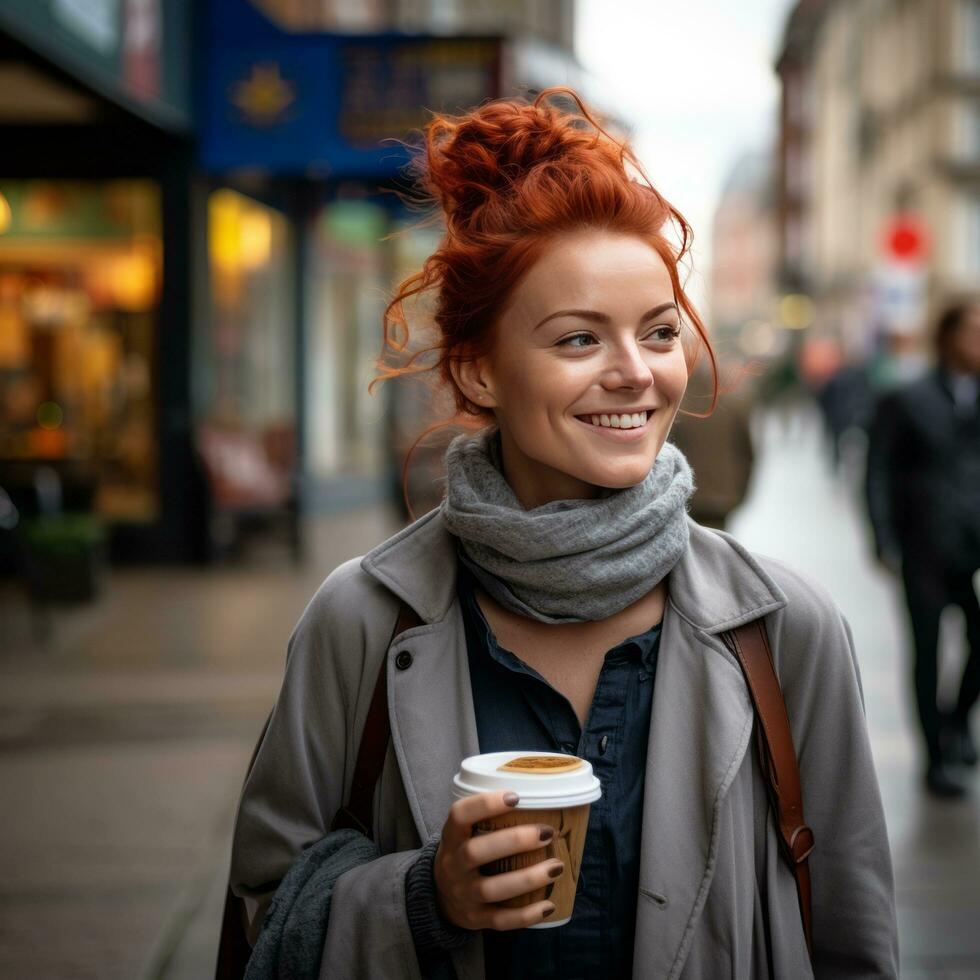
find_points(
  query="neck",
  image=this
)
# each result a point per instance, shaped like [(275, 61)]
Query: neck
[(536, 484)]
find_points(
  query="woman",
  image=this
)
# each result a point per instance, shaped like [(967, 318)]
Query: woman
[(567, 603)]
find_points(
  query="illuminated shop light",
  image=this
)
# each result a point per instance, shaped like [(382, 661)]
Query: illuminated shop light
[(6, 215), (796, 311)]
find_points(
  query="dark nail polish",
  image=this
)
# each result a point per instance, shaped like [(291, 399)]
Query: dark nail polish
[(547, 833), (556, 870), (511, 799), (547, 912)]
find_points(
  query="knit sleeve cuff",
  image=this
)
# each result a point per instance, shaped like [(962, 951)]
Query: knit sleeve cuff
[(432, 933)]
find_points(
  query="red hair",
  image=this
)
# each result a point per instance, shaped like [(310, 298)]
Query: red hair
[(509, 176)]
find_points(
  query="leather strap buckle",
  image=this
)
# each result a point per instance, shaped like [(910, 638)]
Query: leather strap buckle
[(801, 843)]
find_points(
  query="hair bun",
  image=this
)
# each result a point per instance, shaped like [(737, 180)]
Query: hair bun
[(476, 160)]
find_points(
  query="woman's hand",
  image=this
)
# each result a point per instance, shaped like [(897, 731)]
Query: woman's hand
[(466, 896)]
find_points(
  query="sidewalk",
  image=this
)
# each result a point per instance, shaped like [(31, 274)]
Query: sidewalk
[(123, 744)]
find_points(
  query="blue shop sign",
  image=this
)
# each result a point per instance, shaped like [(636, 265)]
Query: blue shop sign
[(327, 104)]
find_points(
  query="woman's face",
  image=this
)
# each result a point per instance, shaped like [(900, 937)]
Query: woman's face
[(587, 369)]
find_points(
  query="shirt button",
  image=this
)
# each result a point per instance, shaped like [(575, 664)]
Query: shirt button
[(567, 747), (603, 742), (404, 660)]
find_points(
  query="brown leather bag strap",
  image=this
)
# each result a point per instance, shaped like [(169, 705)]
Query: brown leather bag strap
[(358, 813), (750, 645)]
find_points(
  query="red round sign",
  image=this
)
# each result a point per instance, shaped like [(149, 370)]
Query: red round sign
[(905, 239)]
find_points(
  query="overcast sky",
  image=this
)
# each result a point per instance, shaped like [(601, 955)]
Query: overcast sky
[(696, 78)]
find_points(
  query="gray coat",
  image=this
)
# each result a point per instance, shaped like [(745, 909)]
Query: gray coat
[(715, 897)]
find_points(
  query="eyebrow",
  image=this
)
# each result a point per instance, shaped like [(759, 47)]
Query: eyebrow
[(597, 317)]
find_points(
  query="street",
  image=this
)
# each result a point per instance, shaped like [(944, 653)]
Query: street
[(124, 737)]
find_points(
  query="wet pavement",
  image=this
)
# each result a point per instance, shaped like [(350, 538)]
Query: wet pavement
[(124, 738), (123, 743)]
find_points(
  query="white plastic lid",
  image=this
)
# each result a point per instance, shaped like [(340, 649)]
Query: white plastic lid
[(537, 790)]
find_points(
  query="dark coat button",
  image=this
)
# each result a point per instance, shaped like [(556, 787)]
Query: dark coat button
[(567, 747), (404, 660), (603, 742)]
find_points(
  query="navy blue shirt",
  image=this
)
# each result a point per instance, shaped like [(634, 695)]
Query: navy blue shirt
[(516, 708)]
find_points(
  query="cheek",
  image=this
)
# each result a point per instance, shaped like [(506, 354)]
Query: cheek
[(533, 376), (527, 384), (671, 377)]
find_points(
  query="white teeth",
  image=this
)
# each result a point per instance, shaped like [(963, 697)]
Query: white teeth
[(632, 421)]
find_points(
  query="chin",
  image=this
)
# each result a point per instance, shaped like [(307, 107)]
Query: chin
[(622, 473), (616, 477)]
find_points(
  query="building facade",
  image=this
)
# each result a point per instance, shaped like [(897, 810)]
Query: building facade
[(879, 176), (744, 261)]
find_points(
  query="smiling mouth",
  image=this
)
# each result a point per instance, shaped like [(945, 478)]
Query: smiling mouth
[(632, 420)]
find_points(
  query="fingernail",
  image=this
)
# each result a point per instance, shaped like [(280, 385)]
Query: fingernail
[(547, 912), (547, 833), (511, 799), (555, 870)]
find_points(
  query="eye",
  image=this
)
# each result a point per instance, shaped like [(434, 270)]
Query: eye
[(567, 341), (665, 334)]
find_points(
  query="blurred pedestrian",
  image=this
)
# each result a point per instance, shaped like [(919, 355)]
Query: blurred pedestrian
[(846, 402), (719, 449), (923, 492)]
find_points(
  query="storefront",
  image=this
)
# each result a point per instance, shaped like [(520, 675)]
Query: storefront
[(80, 272), (95, 295), (245, 398)]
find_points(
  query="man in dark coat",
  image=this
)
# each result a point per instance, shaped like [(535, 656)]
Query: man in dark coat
[(923, 490)]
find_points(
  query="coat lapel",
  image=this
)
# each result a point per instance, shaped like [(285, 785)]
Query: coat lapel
[(430, 704), (690, 765), (431, 735), (700, 729)]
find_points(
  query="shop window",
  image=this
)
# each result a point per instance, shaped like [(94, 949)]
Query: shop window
[(347, 285), (419, 402), (244, 366), (80, 273)]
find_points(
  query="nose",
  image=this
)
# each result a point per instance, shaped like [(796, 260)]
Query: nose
[(627, 368)]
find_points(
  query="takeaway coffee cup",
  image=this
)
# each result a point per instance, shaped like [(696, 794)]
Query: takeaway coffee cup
[(554, 789)]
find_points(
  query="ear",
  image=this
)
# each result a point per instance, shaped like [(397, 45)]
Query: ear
[(475, 381)]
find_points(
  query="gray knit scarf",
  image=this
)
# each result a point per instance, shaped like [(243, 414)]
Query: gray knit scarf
[(567, 560)]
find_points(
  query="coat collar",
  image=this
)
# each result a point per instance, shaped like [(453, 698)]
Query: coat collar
[(715, 586)]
